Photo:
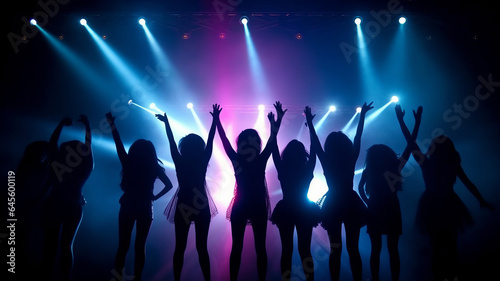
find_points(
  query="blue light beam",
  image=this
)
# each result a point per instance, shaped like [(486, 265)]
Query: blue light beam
[(255, 65)]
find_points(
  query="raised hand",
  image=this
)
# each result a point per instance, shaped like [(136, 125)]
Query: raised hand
[(399, 112), (84, 120), (308, 114), (162, 118), (418, 114), (366, 107), (270, 116), (216, 109), (110, 118), (279, 110)]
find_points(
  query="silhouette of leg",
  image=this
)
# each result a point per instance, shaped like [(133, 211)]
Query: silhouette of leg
[(142, 230), (392, 246), (335, 236), (125, 226), (376, 241), (50, 248), (304, 235), (286, 235), (452, 254), (201, 228), (352, 241), (181, 236), (71, 223), (259, 232), (237, 233), (438, 256)]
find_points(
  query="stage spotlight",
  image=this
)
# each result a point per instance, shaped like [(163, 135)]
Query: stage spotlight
[(298, 36), (152, 105), (394, 99), (189, 105), (402, 20), (222, 35), (185, 36), (261, 107), (244, 20), (358, 109), (142, 21), (33, 22), (332, 108), (83, 22), (130, 102), (357, 20)]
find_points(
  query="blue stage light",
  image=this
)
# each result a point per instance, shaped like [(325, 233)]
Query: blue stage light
[(244, 20), (332, 108), (189, 105), (394, 99), (83, 22), (402, 20), (33, 22), (142, 21), (357, 20)]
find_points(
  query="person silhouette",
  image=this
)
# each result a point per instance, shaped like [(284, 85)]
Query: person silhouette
[(140, 169), (441, 214), (295, 169), (33, 185), (378, 187), (192, 202), (341, 204), (250, 204), (71, 166)]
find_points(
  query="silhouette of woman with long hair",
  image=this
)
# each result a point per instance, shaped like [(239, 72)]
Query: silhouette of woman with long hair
[(341, 204), (378, 187), (441, 214), (140, 169), (33, 185), (250, 204), (192, 202), (71, 167), (295, 211)]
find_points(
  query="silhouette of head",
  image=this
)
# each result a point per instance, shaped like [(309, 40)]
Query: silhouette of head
[(143, 153), (191, 146), (382, 167), (444, 162), (295, 153), (36, 154), (78, 156), (249, 143), (142, 164), (380, 157), (338, 147), (442, 151)]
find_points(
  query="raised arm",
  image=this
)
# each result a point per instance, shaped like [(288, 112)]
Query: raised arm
[(166, 181), (54, 138), (120, 149), (211, 134), (274, 128), (173, 145), (88, 134), (359, 131), (225, 142), (315, 144), (411, 145), (311, 163), (472, 188)]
